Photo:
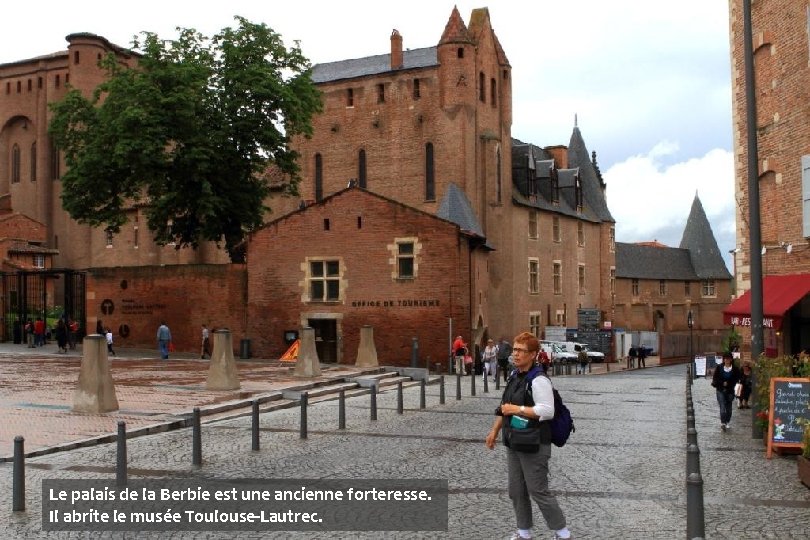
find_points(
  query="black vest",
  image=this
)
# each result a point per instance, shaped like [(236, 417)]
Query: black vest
[(517, 392)]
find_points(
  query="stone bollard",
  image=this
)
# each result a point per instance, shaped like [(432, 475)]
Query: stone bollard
[(95, 391), (308, 363), (366, 351), (222, 373)]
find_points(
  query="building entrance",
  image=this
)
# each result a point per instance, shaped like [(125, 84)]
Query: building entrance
[(325, 339)]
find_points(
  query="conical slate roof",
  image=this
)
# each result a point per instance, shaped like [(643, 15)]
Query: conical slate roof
[(699, 239), (592, 185), (456, 207)]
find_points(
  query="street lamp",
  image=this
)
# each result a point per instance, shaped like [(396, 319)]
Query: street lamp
[(690, 323)]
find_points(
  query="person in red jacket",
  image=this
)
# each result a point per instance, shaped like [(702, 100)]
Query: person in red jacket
[(459, 350), (39, 332)]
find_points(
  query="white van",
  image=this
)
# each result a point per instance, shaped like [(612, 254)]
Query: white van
[(573, 348), (556, 352)]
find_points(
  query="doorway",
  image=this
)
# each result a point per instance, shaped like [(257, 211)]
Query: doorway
[(325, 339)]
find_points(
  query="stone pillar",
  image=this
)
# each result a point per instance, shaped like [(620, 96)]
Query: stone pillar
[(367, 352), (222, 372), (95, 391), (308, 363)]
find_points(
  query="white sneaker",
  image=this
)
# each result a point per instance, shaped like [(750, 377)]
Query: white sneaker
[(728, 425), (516, 536), (723, 427)]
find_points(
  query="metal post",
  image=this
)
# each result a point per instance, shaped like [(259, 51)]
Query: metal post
[(304, 403), (458, 386), (486, 384), (441, 390), (472, 382), (18, 476), (422, 388), (497, 377), (342, 410), (196, 438), (695, 526), (255, 426), (399, 397), (121, 455), (373, 402)]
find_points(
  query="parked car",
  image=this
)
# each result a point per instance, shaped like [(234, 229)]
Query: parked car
[(573, 349), (557, 353)]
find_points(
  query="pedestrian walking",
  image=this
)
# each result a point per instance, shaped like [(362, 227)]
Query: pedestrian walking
[(582, 361), (29, 334), (39, 332), (206, 343), (164, 339), (459, 351), (524, 418), (631, 358), (503, 354), (109, 336), (61, 335), (723, 380), (490, 359), (73, 332), (642, 356), (745, 390)]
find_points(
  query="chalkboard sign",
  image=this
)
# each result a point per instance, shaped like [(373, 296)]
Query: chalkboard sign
[(790, 399)]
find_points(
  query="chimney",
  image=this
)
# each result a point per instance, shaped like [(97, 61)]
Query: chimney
[(396, 50)]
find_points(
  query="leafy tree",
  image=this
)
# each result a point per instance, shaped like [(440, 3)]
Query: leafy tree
[(187, 135)]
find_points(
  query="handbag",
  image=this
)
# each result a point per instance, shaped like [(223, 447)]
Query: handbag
[(738, 389), (171, 346)]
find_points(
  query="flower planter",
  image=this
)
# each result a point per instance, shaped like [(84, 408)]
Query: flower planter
[(804, 470)]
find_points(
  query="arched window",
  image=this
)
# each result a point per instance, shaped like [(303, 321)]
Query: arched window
[(318, 177), (430, 178), (34, 162), (55, 173), (361, 169), (15, 164)]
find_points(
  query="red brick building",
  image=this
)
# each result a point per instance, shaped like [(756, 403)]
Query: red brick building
[(357, 258), (782, 77)]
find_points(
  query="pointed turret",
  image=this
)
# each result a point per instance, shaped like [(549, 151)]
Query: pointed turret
[(455, 31), (699, 239), (593, 189)]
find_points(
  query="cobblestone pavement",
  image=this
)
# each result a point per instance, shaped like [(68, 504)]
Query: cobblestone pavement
[(622, 474)]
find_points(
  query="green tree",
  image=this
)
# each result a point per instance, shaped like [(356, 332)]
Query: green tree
[(187, 135)]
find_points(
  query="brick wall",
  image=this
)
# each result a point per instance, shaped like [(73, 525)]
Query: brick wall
[(362, 231)]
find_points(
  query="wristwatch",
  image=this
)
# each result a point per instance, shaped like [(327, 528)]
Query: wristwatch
[(522, 408)]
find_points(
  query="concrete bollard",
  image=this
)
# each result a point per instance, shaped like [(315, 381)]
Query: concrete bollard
[(472, 383), (196, 438), (121, 455), (95, 390), (366, 351), (458, 386), (254, 426), (308, 364), (222, 372), (692, 459), (18, 476)]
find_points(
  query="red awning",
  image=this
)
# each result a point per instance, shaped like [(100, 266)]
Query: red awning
[(779, 294)]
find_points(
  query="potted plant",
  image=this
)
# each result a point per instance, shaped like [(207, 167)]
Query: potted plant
[(804, 459)]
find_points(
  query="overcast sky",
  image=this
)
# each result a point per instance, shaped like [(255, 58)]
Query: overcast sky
[(648, 82)]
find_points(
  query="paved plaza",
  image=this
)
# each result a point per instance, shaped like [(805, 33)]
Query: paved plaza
[(622, 474)]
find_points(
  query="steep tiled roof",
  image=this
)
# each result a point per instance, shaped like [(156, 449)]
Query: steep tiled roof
[(592, 184), (456, 207), (372, 65), (636, 261), (455, 31), (699, 239)]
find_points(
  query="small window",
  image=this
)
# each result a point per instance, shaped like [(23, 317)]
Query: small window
[(482, 91), (30, 86), (109, 238), (326, 224), (56, 81), (15, 164), (581, 278), (33, 162), (318, 178), (39, 82), (417, 90), (580, 234), (662, 287), (324, 281), (361, 169), (76, 57), (350, 97), (380, 93), (8, 88), (492, 92), (534, 276), (806, 195), (359, 222), (556, 235), (405, 262), (708, 288), (460, 52), (635, 287), (533, 224), (39, 261), (19, 86), (557, 275), (534, 323)]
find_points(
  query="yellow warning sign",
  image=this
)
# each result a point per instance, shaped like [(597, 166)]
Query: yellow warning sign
[(292, 353)]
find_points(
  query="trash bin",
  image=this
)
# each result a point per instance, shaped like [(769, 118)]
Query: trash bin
[(244, 349)]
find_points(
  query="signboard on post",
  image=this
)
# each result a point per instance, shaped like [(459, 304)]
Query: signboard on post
[(700, 366), (790, 402)]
